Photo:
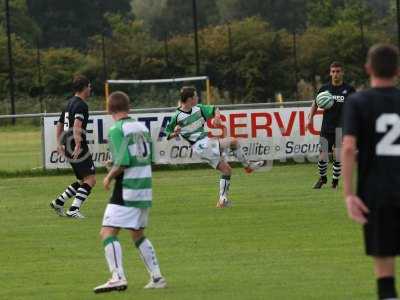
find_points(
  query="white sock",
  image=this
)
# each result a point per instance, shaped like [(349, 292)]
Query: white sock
[(68, 193), (81, 195), (148, 255), (240, 156), (224, 184), (113, 253)]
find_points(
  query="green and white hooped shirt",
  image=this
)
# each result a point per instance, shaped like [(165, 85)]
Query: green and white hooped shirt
[(192, 122), (130, 146)]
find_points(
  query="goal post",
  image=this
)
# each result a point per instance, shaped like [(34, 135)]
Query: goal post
[(108, 83)]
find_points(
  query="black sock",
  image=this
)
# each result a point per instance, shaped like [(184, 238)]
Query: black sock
[(322, 168), (337, 169), (386, 288), (81, 195), (68, 193)]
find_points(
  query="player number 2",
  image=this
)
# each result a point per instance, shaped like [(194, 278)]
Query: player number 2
[(386, 146)]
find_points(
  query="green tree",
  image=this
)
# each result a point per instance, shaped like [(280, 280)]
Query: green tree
[(323, 13), (60, 66), (22, 23), (170, 17), (69, 23)]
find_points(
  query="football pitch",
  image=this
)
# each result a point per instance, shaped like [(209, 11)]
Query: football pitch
[(280, 240)]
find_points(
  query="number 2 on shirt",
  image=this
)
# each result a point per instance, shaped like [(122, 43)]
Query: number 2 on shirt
[(386, 146)]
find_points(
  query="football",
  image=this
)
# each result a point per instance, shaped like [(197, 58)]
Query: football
[(325, 100)]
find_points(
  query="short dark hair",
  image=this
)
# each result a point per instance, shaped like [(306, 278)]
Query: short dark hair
[(79, 83), (336, 64), (187, 92), (118, 102), (384, 60)]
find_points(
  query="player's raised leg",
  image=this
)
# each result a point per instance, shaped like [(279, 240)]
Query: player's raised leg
[(149, 258), (234, 145), (113, 254)]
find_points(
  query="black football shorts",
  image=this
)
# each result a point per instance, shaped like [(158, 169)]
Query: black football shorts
[(83, 166), (382, 232), (327, 142)]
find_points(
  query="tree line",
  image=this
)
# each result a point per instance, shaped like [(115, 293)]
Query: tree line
[(247, 47)]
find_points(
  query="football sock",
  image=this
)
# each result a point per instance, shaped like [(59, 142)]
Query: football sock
[(224, 184), (337, 168), (148, 255), (322, 168), (81, 195), (238, 153), (386, 288), (68, 193), (113, 253)]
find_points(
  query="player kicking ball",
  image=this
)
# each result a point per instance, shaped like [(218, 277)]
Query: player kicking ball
[(130, 146), (372, 126), (188, 122)]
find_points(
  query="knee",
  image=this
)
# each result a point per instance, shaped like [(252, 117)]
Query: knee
[(103, 234), (228, 170), (91, 181), (234, 143), (225, 169), (137, 235)]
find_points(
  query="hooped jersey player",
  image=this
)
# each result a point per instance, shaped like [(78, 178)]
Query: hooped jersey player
[(192, 122)]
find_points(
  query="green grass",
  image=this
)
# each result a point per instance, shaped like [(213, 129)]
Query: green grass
[(281, 240), (20, 148)]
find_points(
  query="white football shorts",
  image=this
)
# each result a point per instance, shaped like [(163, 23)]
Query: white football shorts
[(125, 217)]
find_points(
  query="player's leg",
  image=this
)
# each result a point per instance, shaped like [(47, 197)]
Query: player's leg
[(224, 184), (113, 254), (234, 145), (337, 167), (149, 258), (82, 194), (70, 191), (323, 161), (85, 171), (382, 242), (385, 275)]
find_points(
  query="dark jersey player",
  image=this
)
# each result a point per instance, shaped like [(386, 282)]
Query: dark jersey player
[(372, 126), (72, 143), (330, 136)]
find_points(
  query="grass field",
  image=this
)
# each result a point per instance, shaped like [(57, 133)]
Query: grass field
[(20, 148), (280, 240)]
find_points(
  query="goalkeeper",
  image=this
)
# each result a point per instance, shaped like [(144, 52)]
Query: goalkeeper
[(188, 122), (330, 140)]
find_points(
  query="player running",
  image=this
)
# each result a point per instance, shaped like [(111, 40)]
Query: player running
[(372, 126), (188, 122), (72, 143), (130, 146), (331, 125)]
